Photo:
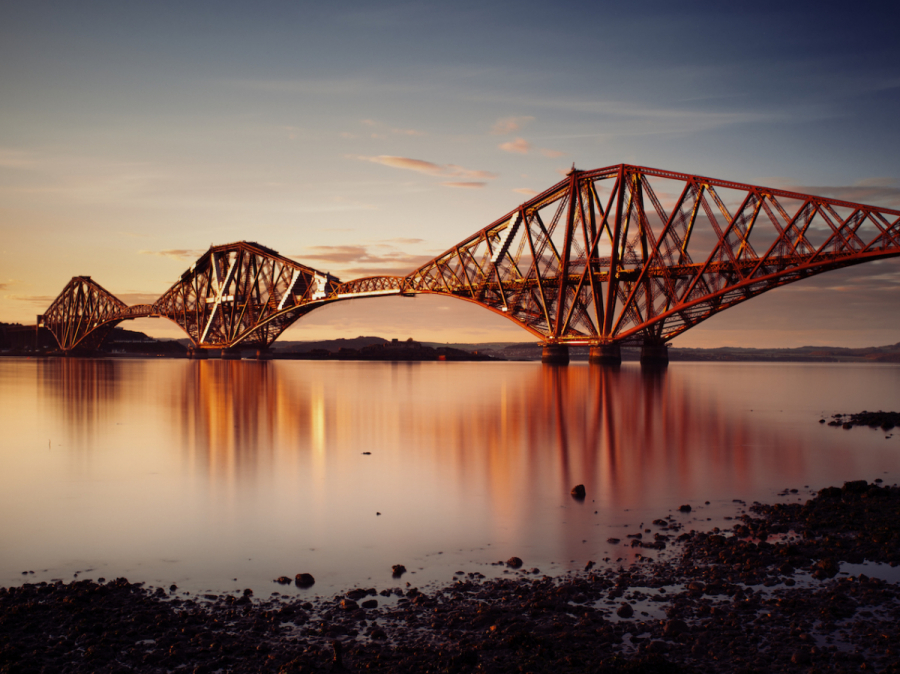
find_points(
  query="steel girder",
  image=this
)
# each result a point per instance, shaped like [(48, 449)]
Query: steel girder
[(82, 315), (242, 293), (619, 254), (598, 258)]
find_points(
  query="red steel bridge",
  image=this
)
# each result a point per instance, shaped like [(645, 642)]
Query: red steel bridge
[(618, 255)]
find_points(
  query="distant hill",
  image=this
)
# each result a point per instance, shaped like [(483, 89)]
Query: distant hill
[(16, 339), (804, 354)]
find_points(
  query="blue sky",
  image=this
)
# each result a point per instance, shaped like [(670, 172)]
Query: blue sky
[(365, 138)]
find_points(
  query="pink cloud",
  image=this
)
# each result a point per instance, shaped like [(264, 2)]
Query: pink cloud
[(469, 185), (519, 146), (430, 168), (359, 261), (553, 154), (36, 300), (525, 190), (507, 125), (139, 298), (179, 254), (864, 192)]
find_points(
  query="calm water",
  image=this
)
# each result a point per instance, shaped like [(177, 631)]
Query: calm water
[(200, 473)]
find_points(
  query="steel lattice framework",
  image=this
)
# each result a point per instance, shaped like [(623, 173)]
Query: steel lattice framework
[(242, 293), (599, 259), (83, 314), (614, 255)]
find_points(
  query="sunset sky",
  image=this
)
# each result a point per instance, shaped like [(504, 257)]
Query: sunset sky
[(364, 138)]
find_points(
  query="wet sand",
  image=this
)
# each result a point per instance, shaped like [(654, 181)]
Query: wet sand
[(767, 595)]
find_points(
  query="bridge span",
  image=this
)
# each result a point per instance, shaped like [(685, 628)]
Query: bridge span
[(618, 255)]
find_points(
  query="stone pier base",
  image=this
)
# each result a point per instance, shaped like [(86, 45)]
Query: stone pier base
[(197, 354), (230, 354), (263, 354), (654, 354), (605, 354), (555, 354)]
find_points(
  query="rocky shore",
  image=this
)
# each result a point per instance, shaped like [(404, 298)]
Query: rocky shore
[(767, 595)]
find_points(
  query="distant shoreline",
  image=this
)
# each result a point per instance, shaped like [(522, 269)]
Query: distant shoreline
[(17, 341)]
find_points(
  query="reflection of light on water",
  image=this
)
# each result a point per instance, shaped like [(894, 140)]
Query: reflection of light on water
[(503, 417), (317, 421), (462, 455)]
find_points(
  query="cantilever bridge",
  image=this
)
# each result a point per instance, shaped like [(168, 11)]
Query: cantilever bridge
[(623, 254)]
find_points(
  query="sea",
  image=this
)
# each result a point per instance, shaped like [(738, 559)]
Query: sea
[(223, 475)]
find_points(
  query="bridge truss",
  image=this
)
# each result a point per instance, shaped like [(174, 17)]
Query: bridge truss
[(613, 255), (622, 254)]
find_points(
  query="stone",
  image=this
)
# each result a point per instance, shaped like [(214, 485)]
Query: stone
[(675, 628), (685, 508), (625, 610), (398, 570), (304, 580), (801, 657), (514, 562), (578, 491)]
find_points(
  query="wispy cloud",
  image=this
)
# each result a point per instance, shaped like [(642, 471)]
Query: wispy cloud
[(467, 185), (338, 254), (525, 190), (139, 298), (4, 286), (430, 168), (380, 130), (17, 159), (553, 154), (36, 300), (357, 261), (506, 125), (518, 146), (180, 254), (405, 241), (872, 195), (876, 191)]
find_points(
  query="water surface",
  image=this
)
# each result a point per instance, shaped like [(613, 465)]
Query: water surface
[(203, 472)]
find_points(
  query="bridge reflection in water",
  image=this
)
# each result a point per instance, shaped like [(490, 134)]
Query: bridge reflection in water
[(204, 471)]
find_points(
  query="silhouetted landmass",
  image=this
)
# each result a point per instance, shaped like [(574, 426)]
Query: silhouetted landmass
[(374, 348), (18, 339), (804, 354), (26, 340)]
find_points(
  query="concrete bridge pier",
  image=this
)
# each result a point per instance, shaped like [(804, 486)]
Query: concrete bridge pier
[(197, 354), (263, 354), (606, 354), (230, 354), (654, 354), (555, 354)]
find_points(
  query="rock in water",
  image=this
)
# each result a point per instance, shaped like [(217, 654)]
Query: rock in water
[(398, 570), (578, 491), (514, 562), (625, 610), (304, 580)]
